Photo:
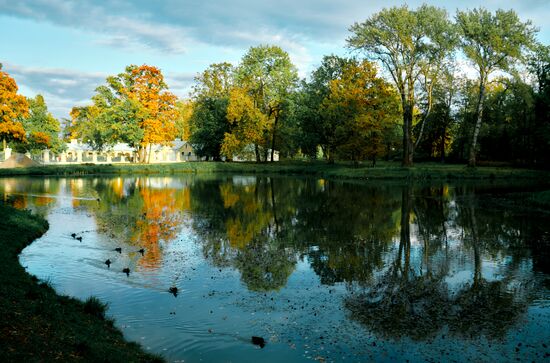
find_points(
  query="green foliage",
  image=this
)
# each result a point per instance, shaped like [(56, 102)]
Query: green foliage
[(41, 127), (208, 122), (362, 110), (258, 106), (407, 43), (492, 42), (265, 78), (317, 128), (133, 107)]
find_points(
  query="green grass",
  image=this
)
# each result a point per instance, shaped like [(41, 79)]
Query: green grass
[(36, 324), (384, 170)]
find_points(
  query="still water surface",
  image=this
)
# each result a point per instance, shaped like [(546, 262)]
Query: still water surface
[(323, 270)]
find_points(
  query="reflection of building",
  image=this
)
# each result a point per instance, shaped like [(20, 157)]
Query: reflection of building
[(78, 152)]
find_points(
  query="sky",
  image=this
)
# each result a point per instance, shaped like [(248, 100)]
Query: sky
[(64, 49)]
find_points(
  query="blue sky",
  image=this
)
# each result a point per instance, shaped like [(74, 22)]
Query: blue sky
[(65, 49)]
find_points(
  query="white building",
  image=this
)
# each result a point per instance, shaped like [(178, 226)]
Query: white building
[(77, 153)]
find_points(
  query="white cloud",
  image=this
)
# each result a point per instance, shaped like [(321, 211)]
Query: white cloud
[(64, 88)]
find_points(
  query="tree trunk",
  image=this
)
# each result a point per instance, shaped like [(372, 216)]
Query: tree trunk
[(273, 137), (257, 152), (407, 139), (425, 117), (4, 144), (407, 102), (142, 153), (442, 145), (149, 153), (472, 158), (330, 156)]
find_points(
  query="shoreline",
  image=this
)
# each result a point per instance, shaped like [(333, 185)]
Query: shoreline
[(385, 171), (40, 325)]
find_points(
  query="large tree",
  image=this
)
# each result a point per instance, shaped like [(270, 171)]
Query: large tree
[(492, 42), (208, 122), (133, 107), (13, 107), (408, 44), (269, 77), (248, 124), (539, 65), (316, 126), (158, 106), (362, 108)]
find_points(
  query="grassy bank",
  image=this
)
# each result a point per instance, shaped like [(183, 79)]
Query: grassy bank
[(38, 325), (421, 171)]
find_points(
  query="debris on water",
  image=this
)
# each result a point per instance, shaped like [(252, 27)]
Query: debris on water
[(108, 263), (174, 291), (118, 249), (126, 270), (258, 341)]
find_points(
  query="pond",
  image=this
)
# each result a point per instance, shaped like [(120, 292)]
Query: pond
[(322, 270)]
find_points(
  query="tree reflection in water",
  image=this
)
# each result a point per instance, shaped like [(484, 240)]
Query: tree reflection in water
[(416, 261), (143, 212), (399, 249), (407, 300)]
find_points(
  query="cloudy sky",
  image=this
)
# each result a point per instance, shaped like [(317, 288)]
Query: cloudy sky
[(64, 49)]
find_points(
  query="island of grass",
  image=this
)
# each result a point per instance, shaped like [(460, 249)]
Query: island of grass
[(38, 325)]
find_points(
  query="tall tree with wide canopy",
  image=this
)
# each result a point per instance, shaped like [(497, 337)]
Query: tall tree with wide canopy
[(362, 108), (158, 106), (315, 124), (408, 43), (133, 107), (492, 42), (13, 106), (269, 76), (208, 122)]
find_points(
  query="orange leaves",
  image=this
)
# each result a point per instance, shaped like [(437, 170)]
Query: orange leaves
[(12, 107), (40, 138), (159, 111), (12, 130)]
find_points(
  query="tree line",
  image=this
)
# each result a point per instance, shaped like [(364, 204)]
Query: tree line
[(403, 94)]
